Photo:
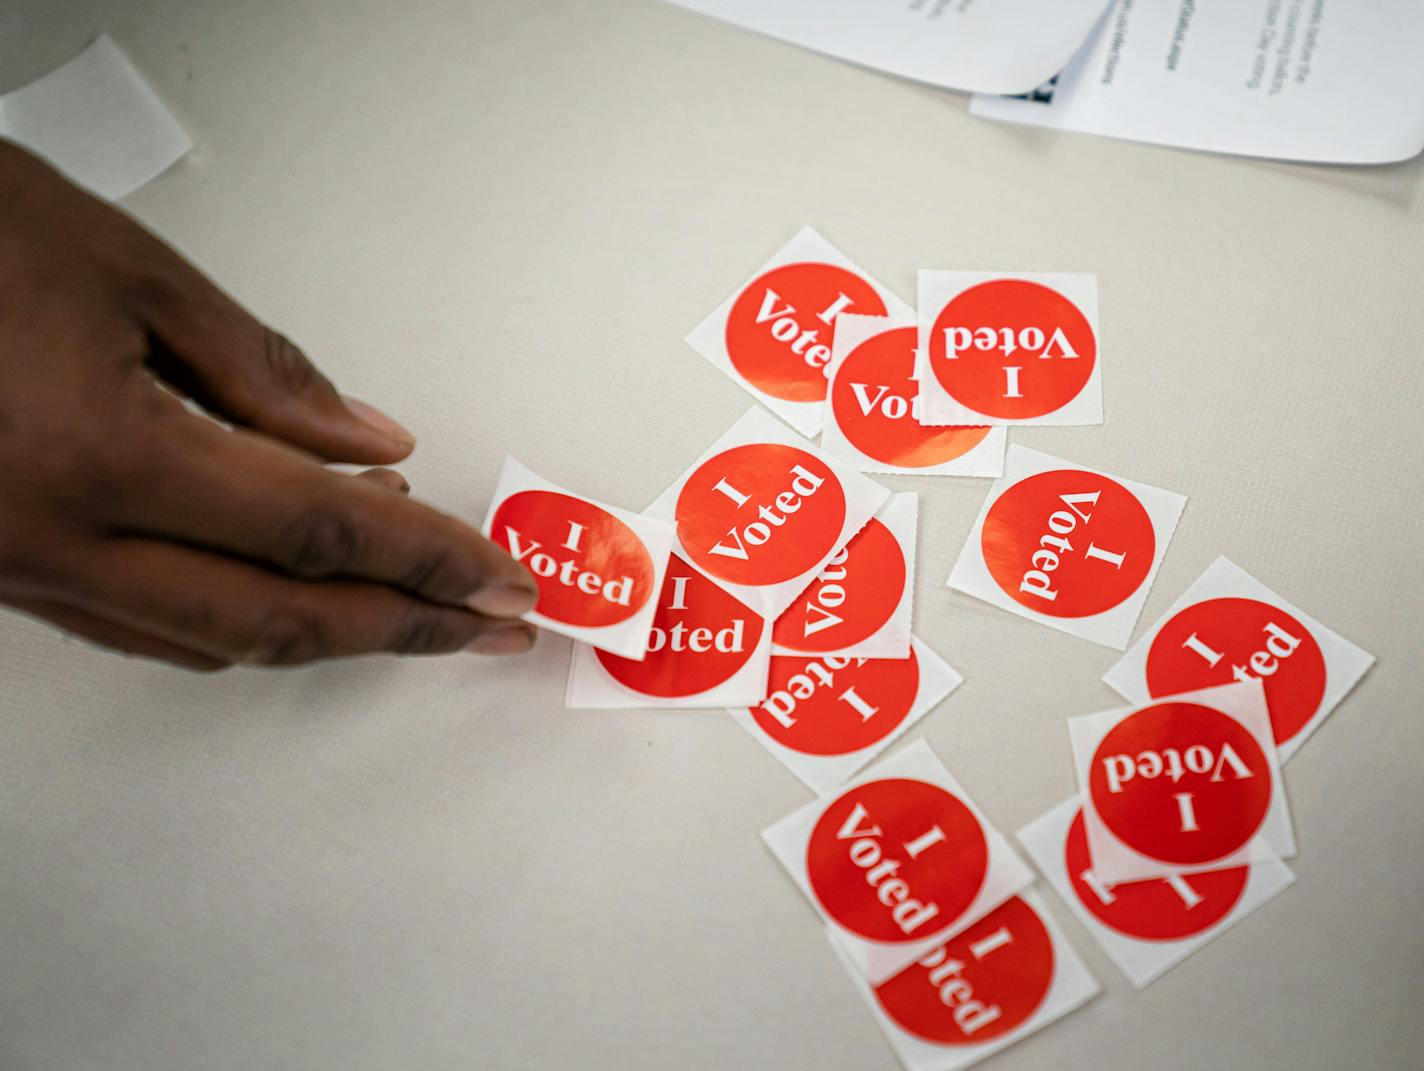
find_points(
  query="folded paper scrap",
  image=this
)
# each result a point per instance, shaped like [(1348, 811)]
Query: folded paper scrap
[(97, 120)]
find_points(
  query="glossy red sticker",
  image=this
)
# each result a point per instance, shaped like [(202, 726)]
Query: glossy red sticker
[(1229, 626), (1009, 349)]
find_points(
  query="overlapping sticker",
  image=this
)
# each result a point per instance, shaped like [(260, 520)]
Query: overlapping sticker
[(1145, 927), (774, 335), (826, 716), (1229, 626), (897, 861), (598, 568), (1009, 349), (861, 602), (1183, 784), (1068, 546), (874, 412), (706, 649), (763, 511), (999, 980)]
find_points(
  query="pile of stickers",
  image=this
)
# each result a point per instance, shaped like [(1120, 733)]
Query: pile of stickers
[(775, 579)]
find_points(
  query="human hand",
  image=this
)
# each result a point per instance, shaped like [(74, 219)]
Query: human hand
[(140, 525)]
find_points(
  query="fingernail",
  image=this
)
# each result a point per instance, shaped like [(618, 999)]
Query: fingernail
[(503, 600), (374, 418), (505, 641)]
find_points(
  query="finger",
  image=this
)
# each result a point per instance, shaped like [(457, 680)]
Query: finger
[(390, 479), (243, 494), (105, 633), (237, 612), (212, 349)]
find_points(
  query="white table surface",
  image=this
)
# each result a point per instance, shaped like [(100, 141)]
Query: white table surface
[(498, 220)]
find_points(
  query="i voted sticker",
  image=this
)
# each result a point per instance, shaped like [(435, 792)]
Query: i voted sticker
[(874, 419), (774, 335), (996, 981), (1146, 927), (597, 567), (1009, 349), (897, 860), (706, 648), (826, 716), (763, 511), (861, 601), (1228, 626), (1068, 546), (1183, 784)]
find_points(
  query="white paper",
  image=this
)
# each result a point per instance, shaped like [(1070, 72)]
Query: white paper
[(937, 833), (873, 406), (862, 601), (1145, 927), (1306, 667), (765, 510), (824, 717), (1334, 81), (983, 990), (992, 46), (773, 336), (97, 120), (1228, 809), (1082, 564)]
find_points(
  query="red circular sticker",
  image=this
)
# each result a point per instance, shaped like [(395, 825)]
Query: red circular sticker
[(896, 860), (832, 705), (1223, 640), (779, 328), (851, 598), (701, 637), (592, 570), (760, 514), (1181, 782), (983, 983), (1155, 910), (1068, 543), (874, 403), (1012, 349)]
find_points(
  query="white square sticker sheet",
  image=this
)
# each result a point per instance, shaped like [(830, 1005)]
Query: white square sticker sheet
[(826, 716), (1068, 546), (598, 568), (1007, 976), (873, 410), (1229, 626), (774, 334), (1183, 784), (897, 861), (1009, 349), (862, 601), (763, 510), (1145, 927), (706, 649)]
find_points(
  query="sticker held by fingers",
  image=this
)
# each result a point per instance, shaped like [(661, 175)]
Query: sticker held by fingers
[(598, 568)]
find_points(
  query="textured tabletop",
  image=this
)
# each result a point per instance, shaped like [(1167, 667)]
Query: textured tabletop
[(498, 221)]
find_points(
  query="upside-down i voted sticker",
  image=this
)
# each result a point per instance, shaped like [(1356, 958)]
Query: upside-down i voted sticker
[(1003, 978), (1182, 784), (861, 602), (1229, 626), (763, 511), (1145, 927), (1068, 546), (706, 649), (598, 568), (897, 861), (1009, 349), (873, 419), (773, 336), (826, 716)]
